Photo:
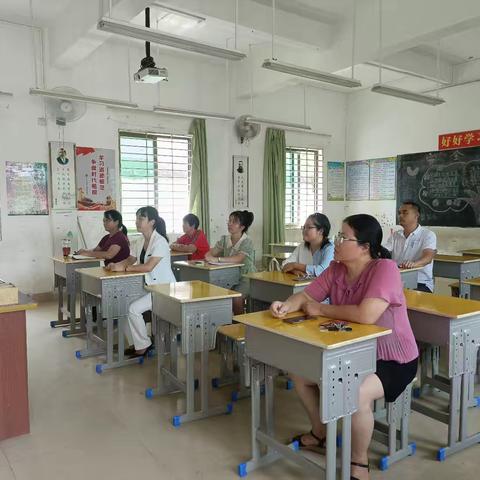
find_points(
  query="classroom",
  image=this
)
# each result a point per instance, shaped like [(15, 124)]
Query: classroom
[(238, 238)]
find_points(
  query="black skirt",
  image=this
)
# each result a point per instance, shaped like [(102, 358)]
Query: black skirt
[(395, 376)]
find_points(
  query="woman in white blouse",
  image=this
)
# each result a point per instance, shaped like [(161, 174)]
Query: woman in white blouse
[(152, 257), (314, 255)]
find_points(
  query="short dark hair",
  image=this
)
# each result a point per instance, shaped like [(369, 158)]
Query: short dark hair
[(414, 205), (244, 218), (192, 220)]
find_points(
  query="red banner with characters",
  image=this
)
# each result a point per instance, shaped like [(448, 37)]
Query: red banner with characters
[(470, 138)]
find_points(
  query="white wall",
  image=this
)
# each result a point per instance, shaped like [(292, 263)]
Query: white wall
[(195, 82), (381, 126)]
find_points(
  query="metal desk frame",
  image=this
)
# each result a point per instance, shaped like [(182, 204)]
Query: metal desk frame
[(462, 338), (65, 276), (225, 277), (112, 297), (339, 373), (197, 323), (458, 271)]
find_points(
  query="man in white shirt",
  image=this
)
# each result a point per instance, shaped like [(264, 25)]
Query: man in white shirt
[(415, 246)]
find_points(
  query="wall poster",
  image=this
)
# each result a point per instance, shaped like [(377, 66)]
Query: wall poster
[(240, 182), (27, 188), (95, 175), (62, 168)]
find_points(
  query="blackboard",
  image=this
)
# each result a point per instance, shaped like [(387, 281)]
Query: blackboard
[(446, 185)]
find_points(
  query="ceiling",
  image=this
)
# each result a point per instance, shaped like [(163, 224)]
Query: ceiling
[(455, 38)]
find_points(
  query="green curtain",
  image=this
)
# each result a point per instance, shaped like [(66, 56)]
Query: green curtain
[(199, 204), (273, 188)]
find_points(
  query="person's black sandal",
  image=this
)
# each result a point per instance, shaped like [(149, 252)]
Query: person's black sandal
[(316, 447), (144, 354), (363, 465)]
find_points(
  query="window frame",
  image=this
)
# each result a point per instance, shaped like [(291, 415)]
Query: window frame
[(318, 196), (154, 136)]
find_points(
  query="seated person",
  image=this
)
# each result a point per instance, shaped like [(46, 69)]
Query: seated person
[(194, 242), (236, 248), (314, 255), (113, 247), (414, 246), (364, 287), (152, 257)]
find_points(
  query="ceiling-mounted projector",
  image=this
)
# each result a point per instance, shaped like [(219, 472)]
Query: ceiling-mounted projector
[(151, 75), (148, 72)]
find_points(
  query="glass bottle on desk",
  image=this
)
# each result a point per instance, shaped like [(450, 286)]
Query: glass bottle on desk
[(66, 247)]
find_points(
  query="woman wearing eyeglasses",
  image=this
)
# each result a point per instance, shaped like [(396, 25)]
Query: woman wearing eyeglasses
[(364, 287), (314, 255)]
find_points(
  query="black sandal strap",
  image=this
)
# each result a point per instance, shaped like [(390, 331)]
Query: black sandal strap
[(362, 465), (320, 440)]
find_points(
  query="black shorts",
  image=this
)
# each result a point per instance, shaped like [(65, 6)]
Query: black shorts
[(395, 376)]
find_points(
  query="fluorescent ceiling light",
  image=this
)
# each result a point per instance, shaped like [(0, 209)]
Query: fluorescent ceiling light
[(109, 102), (155, 36), (275, 123), (177, 18), (192, 113), (407, 94), (272, 64)]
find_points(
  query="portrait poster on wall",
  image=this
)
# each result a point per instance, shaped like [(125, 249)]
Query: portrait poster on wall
[(240, 182), (62, 168)]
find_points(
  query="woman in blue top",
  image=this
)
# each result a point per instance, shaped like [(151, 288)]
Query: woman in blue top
[(314, 255)]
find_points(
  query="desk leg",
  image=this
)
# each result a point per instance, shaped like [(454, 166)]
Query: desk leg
[(94, 344), (60, 283), (346, 446)]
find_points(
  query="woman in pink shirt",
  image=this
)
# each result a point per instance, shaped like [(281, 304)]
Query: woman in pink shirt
[(363, 287)]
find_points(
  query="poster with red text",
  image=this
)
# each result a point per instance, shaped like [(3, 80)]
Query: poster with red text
[(95, 173)]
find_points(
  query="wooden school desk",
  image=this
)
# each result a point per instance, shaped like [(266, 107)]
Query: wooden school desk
[(111, 293), (225, 275), (66, 277), (459, 267), (14, 412), (410, 277), (195, 310), (266, 287), (452, 322), (337, 361)]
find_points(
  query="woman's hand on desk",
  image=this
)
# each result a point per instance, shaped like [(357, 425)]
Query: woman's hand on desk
[(210, 258), (407, 265), (115, 267), (82, 251), (279, 309)]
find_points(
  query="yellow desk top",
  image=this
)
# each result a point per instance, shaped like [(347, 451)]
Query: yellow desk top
[(278, 255), (441, 305), (472, 281), (284, 244), (235, 331), (193, 291), (280, 278), (405, 270), (101, 273), (24, 303), (174, 253), (456, 258), (71, 260), (202, 265), (309, 332)]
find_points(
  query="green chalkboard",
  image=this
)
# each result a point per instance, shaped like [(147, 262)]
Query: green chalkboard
[(446, 185)]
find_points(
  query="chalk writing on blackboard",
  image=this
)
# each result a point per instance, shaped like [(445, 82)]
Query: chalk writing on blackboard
[(446, 184)]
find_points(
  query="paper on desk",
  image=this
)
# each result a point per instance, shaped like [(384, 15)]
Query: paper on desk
[(82, 257)]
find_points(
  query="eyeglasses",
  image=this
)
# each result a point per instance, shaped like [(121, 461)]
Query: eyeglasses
[(340, 238), (307, 227)]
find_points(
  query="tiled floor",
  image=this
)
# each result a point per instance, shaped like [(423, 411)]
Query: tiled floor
[(87, 426)]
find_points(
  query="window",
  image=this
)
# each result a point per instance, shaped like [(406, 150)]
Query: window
[(155, 170), (304, 184)]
